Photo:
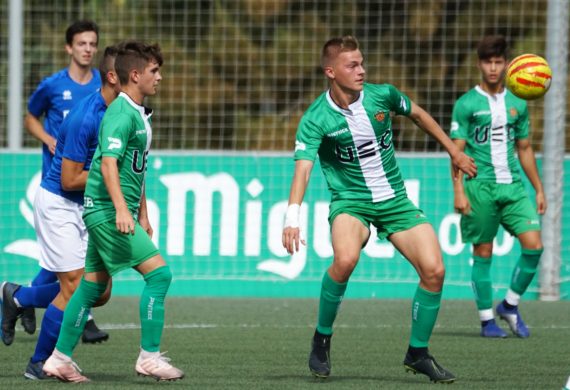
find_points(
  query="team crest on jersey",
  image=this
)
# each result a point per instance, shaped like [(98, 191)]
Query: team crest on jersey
[(380, 116), (514, 112), (67, 95)]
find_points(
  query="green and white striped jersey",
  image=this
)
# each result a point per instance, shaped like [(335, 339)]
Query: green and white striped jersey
[(490, 125), (355, 145)]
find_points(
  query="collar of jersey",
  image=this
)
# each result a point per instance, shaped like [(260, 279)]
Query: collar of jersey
[(144, 111), (496, 96), (343, 110)]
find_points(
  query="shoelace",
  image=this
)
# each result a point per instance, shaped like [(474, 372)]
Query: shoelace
[(162, 360)]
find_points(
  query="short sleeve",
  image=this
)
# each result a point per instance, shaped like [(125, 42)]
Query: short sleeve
[(523, 123), (459, 121), (114, 135), (308, 140), (39, 101), (399, 102), (79, 138)]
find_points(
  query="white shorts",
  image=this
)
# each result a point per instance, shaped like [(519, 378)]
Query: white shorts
[(61, 233)]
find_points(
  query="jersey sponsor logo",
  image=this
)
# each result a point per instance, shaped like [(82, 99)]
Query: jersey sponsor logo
[(139, 166), (497, 134), (300, 146), (67, 95), (115, 143), (403, 103), (454, 126), (533, 222), (143, 131), (87, 202), (380, 116), (337, 133), (484, 112)]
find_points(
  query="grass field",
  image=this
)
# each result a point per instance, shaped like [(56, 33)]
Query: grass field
[(264, 344)]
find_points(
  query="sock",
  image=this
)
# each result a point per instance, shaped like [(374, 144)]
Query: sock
[(75, 315), (44, 277), (49, 332), (36, 296), (152, 307), (525, 270), (425, 307), (481, 282), (332, 293), (417, 352)]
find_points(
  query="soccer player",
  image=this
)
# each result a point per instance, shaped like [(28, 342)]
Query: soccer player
[(490, 124), (117, 220), (53, 99), (349, 127), (58, 207)]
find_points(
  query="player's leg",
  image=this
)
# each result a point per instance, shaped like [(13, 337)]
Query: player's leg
[(28, 319), (420, 246), (520, 219), (349, 234)]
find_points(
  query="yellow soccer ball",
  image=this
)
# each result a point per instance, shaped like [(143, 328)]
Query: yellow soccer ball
[(528, 76)]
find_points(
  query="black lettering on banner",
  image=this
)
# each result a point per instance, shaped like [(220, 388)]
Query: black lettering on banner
[(346, 155), (386, 140), (365, 151), (136, 162), (481, 134), (497, 134)]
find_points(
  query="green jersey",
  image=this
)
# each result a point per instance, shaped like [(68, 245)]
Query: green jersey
[(490, 125), (354, 145), (125, 134)]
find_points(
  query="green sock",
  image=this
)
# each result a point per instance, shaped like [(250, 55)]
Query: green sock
[(152, 307), (425, 307), (76, 313), (481, 282), (525, 270), (331, 297)]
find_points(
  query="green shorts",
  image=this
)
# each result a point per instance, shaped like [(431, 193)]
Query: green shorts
[(112, 251), (494, 204), (389, 216)]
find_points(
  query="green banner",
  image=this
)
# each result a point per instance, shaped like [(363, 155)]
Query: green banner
[(218, 221)]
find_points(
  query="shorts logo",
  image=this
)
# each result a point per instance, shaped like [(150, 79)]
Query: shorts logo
[(532, 222), (299, 146), (115, 143), (380, 116)]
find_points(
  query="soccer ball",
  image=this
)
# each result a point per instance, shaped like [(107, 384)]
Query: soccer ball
[(528, 76)]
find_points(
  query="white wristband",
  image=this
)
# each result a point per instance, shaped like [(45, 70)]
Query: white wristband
[(292, 216)]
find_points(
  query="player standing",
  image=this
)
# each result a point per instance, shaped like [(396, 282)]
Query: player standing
[(117, 221), (490, 123), (349, 127)]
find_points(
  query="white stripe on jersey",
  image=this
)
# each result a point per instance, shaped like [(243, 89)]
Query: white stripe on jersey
[(499, 136), (371, 167)]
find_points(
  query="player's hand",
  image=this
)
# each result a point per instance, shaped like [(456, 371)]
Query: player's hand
[(463, 162), (145, 224), (461, 204), (540, 203), (291, 239), (125, 222), (51, 145)]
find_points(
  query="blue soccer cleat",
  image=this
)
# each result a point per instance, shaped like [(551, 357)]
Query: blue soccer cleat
[(513, 318), (492, 330)]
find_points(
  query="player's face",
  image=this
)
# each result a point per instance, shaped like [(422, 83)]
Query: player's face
[(492, 70), (150, 78), (83, 48), (348, 71)]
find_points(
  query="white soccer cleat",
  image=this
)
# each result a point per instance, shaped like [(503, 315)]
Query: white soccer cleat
[(157, 366), (63, 368)]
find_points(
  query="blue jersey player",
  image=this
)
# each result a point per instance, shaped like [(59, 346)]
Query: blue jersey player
[(58, 209)]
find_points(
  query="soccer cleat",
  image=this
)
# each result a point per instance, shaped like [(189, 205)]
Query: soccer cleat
[(34, 371), (10, 312), (92, 334), (28, 320), (492, 330), (320, 358), (157, 366), (63, 368), (513, 318), (428, 366)]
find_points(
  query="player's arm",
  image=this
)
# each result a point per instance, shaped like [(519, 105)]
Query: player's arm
[(291, 232), (143, 214), (460, 202), (36, 129), (459, 159), (528, 164), (110, 171), (73, 176)]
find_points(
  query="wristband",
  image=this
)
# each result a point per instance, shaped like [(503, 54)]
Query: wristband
[(292, 216)]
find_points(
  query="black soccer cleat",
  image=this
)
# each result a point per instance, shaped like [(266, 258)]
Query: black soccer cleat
[(34, 371), (28, 320), (320, 359), (92, 334), (10, 312), (428, 366)]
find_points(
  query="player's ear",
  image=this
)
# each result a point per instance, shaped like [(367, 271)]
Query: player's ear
[(329, 72), (68, 49), (112, 78)]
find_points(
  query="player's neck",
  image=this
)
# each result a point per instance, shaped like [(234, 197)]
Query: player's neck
[(133, 92), (80, 74), (108, 94), (492, 89), (343, 98)]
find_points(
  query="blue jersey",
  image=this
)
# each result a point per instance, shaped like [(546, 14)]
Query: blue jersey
[(54, 97), (76, 141)]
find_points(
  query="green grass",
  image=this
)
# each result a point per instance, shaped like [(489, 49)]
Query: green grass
[(264, 344)]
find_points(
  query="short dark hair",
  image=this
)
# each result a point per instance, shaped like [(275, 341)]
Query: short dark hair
[(135, 55), (337, 45), (492, 46), (79, 27), (107, 62)]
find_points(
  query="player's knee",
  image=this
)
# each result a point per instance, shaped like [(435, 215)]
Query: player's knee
[(106, 296), (434, 276), (342, 267), (159, 278)]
